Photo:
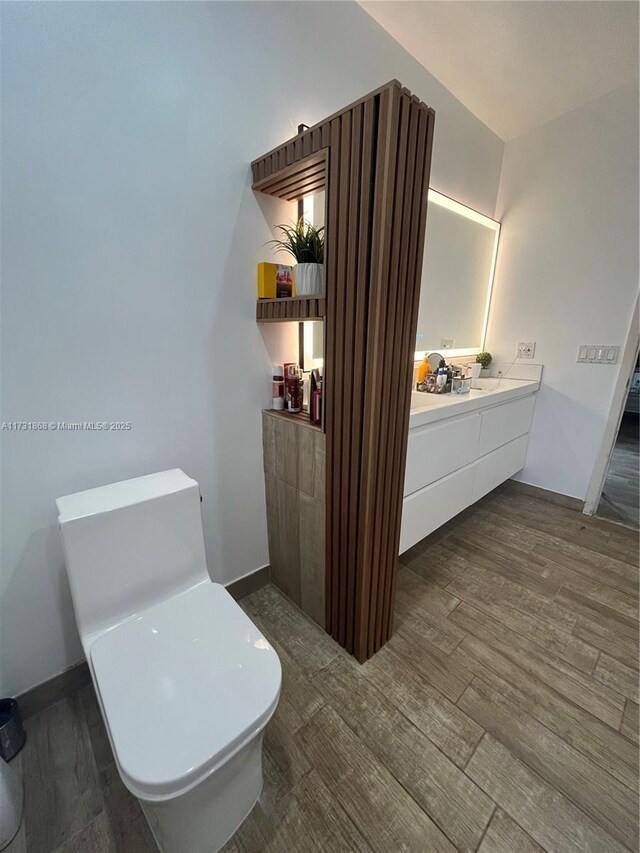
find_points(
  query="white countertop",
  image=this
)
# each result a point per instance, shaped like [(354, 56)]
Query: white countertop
[(427, 408)]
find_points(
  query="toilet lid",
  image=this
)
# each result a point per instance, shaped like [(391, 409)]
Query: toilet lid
[(182, 685)]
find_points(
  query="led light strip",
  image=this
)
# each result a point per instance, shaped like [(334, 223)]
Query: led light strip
[(481, 219)]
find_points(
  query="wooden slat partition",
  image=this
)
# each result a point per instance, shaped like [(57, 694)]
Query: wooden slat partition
[(373, 160)]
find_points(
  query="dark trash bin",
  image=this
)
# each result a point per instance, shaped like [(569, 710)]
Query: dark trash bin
[(12, 733)]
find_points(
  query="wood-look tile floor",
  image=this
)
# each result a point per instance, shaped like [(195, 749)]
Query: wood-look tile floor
[(501, 717), (620, 499)]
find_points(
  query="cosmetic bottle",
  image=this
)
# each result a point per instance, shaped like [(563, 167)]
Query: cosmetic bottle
[(316, 404), (295, 402), (290, 369), (278, 387), (314, 385), (294, 391)]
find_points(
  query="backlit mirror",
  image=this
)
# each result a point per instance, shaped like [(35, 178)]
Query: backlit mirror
[(457, 277)]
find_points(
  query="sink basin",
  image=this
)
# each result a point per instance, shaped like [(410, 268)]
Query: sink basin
[(422, 400), (486, 384)]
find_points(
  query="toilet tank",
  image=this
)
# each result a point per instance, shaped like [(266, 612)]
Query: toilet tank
[(130, 545)]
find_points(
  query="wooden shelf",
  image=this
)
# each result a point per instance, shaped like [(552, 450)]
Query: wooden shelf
[(301, 418), (291, 308), (281, 176)]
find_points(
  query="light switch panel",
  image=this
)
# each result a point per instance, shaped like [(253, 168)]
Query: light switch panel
[(597, 354)]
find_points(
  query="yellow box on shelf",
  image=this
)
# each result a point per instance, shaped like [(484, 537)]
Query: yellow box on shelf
[(275, 280)]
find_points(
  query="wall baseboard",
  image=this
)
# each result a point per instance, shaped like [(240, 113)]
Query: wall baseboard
[(515, 487), (58, 687), (249, 583), (69, 681)]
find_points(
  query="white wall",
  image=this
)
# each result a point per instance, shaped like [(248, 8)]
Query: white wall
[(130, 238), (567, 273)]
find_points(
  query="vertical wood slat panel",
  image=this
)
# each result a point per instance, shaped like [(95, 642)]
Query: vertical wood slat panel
[(343, 404), (361, 526), (362, 378), (378, 155), (406, 280), (413, 172), (419, 216), (390, 306), (355, 377), (396, 290), (378, 389), (349, 178), (331, 133)]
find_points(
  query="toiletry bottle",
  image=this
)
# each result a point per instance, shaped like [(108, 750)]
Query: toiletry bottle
[(306, 390), (316, 404), (314, 382), (294, 391), (441, 381), (297, 393), (278, 387), (290, 369), (423, 369)]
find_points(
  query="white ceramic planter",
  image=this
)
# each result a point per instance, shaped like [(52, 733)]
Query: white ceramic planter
[(309, 279)]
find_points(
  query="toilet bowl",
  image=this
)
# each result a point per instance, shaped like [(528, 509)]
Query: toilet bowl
[(185, 681)]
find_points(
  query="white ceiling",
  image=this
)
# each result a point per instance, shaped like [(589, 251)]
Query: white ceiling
[(516, 64)]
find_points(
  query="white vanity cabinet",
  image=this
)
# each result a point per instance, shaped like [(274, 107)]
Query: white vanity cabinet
[(459, 452)]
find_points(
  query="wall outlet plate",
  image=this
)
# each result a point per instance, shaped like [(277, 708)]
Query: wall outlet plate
[(447, 343), (526, 349)]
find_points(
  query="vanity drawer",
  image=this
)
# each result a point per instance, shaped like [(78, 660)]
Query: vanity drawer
[(436, 450), (499, 465), (504, 423), (428, 509)]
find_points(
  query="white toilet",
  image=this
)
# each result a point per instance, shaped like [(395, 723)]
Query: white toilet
[(185, 680)]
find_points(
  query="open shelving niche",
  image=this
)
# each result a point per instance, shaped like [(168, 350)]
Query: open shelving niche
[(290, 178), (294, 182)]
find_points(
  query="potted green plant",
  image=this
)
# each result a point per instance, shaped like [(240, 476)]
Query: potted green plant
[(306, 244), (484, 359)]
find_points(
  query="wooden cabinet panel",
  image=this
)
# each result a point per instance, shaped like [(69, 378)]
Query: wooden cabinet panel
[(284, 536), (311, 534), (294, 461), (502, 424), (311, 463), (439, 449)]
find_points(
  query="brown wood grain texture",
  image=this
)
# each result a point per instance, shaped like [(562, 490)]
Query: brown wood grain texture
[(373, 160)]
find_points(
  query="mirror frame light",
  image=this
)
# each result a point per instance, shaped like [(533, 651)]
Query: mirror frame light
[(469, 213)]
